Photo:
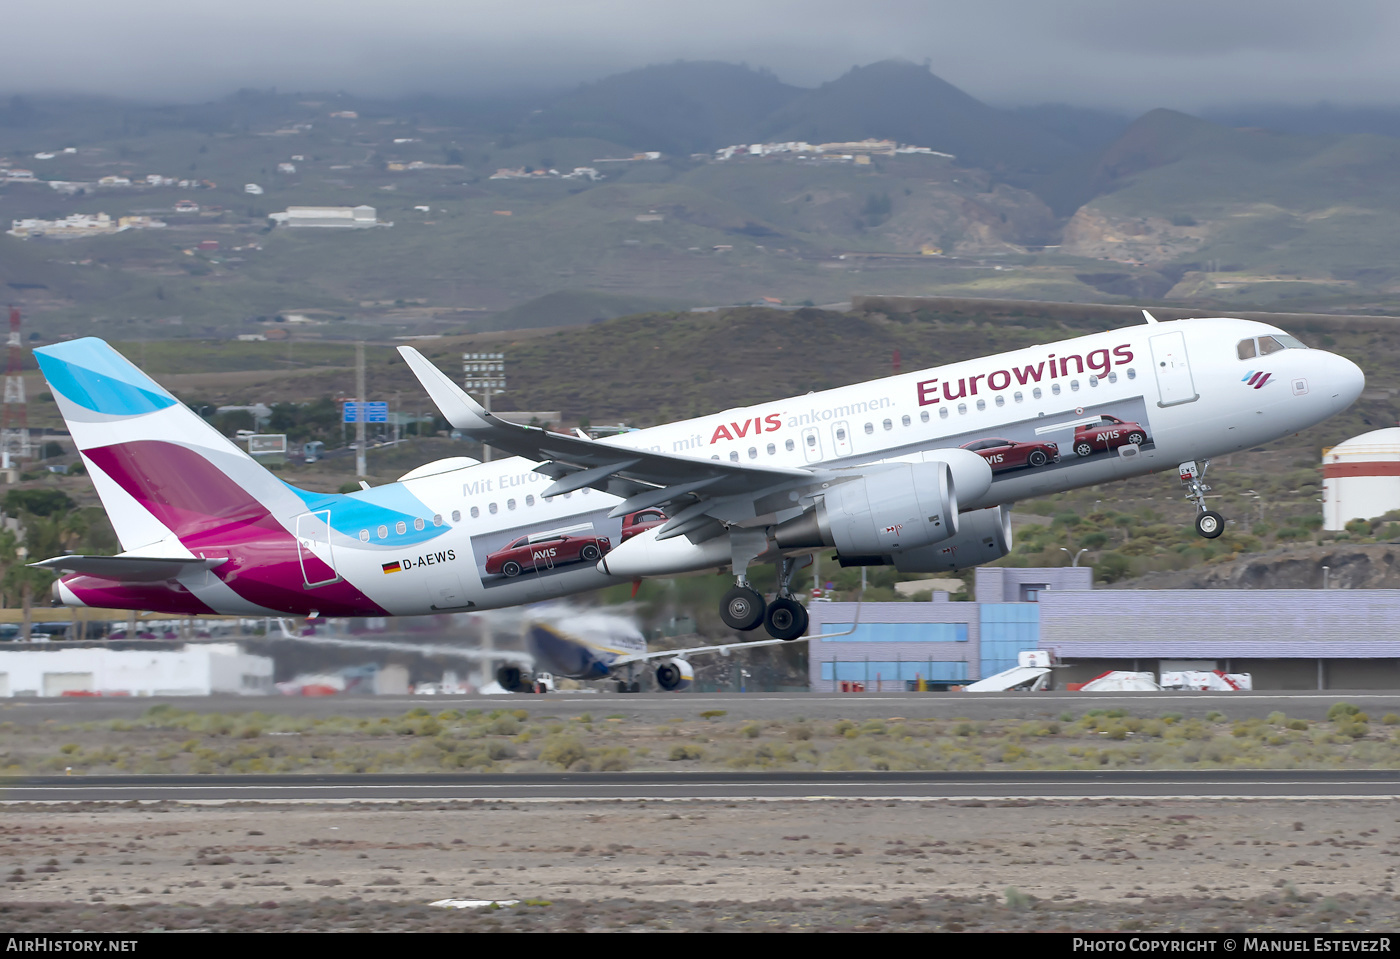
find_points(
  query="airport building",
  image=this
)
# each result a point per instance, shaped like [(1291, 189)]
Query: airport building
[(1284, 638), (139, 669), (328, 217)]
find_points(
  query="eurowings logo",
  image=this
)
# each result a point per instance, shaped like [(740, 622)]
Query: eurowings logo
[(1256, 379)]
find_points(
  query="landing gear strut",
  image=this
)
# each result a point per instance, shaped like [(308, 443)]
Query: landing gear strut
[(628, 683), (786, 618), (1209, 523), (743, 608)]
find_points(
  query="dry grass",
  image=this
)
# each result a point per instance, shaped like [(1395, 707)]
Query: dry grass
[(170, 740)]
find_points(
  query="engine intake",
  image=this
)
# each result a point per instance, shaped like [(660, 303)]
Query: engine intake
[(512, 679), (674, 675)]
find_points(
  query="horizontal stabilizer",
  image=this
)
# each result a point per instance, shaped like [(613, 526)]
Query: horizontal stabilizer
[(127, 569)]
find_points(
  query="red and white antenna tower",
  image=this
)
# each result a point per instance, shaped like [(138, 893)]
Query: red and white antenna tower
[(14, 426)]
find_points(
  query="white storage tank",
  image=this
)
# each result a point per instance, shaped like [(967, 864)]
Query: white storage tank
[(1361, 478)]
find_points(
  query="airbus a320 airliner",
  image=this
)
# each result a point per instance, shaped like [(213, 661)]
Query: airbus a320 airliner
[(915, 471)]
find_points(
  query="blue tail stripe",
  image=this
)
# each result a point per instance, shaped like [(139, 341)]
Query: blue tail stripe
[(96, 377)]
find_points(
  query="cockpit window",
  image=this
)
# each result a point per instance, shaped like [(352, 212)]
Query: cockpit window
[(1290, 342), (1246, 349), (1267, 345)]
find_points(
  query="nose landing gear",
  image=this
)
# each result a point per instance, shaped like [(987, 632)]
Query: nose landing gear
[(1209, 523)]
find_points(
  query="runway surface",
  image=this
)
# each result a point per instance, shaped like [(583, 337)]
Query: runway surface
[(1214, 784), (756, 706)]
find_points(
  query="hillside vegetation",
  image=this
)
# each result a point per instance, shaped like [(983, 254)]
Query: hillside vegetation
[(1051, 202)]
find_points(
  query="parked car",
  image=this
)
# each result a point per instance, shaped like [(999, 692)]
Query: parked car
[(1003, 454), (641, 521), (1106, 433), (546, 550)]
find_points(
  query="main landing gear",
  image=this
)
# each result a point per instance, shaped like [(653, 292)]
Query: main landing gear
[(1209, 523), (743, 607)]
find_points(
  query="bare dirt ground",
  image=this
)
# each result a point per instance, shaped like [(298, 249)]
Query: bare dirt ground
[(705, 865)]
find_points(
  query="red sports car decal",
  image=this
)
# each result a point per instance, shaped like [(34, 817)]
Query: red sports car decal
[(641, 521), (546, 550), (1003, 454), (1106, 433)]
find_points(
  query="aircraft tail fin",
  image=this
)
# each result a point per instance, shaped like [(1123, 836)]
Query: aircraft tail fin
[(164, 475)]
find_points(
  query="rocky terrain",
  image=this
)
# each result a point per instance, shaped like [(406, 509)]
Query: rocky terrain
[(1358, 566)]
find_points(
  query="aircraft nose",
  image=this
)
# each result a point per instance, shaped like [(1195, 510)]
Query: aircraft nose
[(1347, 381)]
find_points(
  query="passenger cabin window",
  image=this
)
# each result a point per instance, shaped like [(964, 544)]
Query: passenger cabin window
[(1093, 381), (840, 435), (418, 523), (1246, 349), (788, 446), (923, 416), (1074, 385), (812, 441), (1055, 388), (383, 532), (437, 519), (869, 428), (888, 424), (981, 404), (1001, 400), (530, 501), (753, 452), (1018, 397), (962, 408), (1132, 373), (905, 421), (1113, 376), (1037, 393), (400, 527), (734, 456), (943, 412), (772, 449), (510, 504), (491, 508), (364, 536)]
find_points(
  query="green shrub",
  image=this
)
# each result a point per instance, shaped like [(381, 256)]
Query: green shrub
[(1339, 710), (563, 750)]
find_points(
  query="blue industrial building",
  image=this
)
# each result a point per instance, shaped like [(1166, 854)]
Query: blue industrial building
[(1286, 639)]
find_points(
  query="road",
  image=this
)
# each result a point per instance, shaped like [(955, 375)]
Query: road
[(919, 786), (755, 706)]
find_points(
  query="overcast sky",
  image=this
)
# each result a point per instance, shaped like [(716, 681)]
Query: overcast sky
[(1129, 55)]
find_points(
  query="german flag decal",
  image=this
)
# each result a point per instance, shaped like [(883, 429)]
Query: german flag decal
[(393, 567)]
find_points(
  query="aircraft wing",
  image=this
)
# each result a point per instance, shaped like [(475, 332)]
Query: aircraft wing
[(724, 649), (127, 569), (644, 478)]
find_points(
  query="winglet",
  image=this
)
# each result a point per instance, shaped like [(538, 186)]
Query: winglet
[(460, 410), (1151, 321)]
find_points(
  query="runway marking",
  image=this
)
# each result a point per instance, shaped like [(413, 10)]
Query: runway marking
[(680, 785), (1109, 797)]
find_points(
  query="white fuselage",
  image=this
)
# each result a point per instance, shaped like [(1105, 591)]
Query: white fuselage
[(1183, 382)]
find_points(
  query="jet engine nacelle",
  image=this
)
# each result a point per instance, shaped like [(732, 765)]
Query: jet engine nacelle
[(889, 509), (674, 675), (513, 679), (983, 535)]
